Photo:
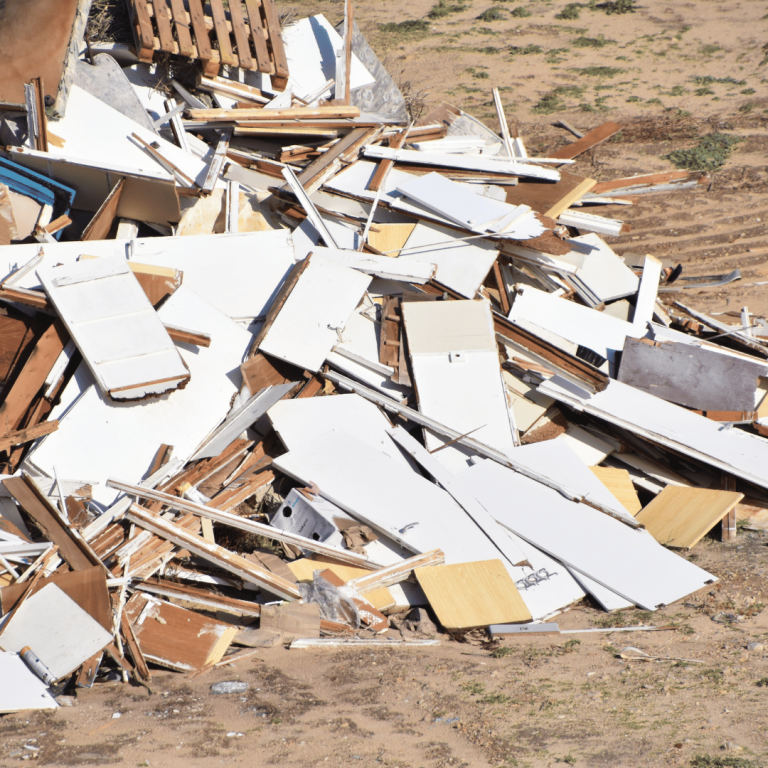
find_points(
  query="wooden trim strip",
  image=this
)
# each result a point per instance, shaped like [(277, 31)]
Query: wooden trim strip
[(591, 139), (393, 574)]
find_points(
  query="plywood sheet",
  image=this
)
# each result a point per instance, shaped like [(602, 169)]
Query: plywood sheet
[(679, 517), (619, 483), (467, 595), (549, 198)]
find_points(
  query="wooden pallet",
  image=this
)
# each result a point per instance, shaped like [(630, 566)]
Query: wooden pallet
[(212, 34)]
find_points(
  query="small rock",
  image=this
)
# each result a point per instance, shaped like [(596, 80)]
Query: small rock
[(231, 686), (755, 647), (67, 701)]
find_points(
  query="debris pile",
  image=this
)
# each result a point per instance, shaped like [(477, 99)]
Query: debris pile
[(279, 365)]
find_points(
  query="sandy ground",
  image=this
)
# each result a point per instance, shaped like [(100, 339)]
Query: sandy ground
[(551, 700), (558, 699)]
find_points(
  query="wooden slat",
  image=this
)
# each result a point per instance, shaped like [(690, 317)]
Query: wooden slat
[(22, 436), (679, 517), (728, 523), (263, 60), (468, 595), (142, 29), (396, 142), (202, 40), (182, 27), (649, 180), (222, 34), (276, 41), (164, 29), (241, 34), (592, 139), (99, 226)]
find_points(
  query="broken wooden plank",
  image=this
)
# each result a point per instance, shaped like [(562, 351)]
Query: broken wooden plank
[(99, 226), (22, 436), (394, 574)]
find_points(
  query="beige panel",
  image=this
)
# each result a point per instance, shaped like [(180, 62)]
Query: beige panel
[(469, 595), (390, 237), (679, 517), (619, 483)]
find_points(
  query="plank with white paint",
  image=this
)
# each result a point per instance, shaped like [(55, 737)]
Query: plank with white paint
[(76, 638), (626, 561), (95, 437), (115, 327), (418, 272), (322, 301)]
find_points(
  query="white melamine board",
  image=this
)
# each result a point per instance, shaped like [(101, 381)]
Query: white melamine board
[(646, 295), (310, 419), (557, 459), (116, 329), (571, 321), (379, 266), (96, 436), (60, 633), (477, 213), (588, 447), (22, 688), (455, 363), (368, 376), (310, 47), (486, 163), (238, 273), (731, 450), (404, 506), (590, 222), (527, 404), (92, 129), (601, 270), (626, 561), (461, 265), (324, 297), (242, 418), (610, 601)]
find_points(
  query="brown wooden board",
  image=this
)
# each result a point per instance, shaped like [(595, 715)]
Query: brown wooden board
[(174, 637), (99, 226), (163, 18), (18, 334), (203, 42), (547, 196), (182, 28), (592, 139), (72, 546), (241, 35), (226, 54), (263, 61)]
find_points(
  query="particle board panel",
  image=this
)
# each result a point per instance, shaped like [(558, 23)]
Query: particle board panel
[(389, 239), (57, 629), (680, 517), (627, 561), (21, 689), (176, 638), (468, 595), (121, 337), (619, 483), (690, 375), (305, 329), (549, 198), (589, 140)]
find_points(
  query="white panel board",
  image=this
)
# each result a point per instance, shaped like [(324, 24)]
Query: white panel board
[(731, 450), (305, 329), (406, 507), (461, 265), (111, 320), (379, 266), (57, 629), (22, 688), (95, 436), (457, 375), (627, 561)]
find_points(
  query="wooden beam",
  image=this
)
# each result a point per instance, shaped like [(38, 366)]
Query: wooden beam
[(591, 139), (21, 436)]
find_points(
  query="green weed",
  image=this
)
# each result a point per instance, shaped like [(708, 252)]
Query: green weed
[(496, 698), (405, 31), (520, 12), (570, 12), (595, 71), (444, 9), (762, 682), (591, 42), (500, 653), (711, 153), (709, 80), (709, 49), (618, 6), (572, 645), (526, 50), (496, 13), (553, 101), (473, 688), (707, 761)]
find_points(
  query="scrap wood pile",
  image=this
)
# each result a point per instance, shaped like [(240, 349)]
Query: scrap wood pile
[(280, 365)]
